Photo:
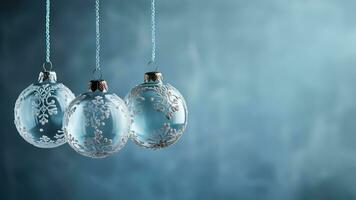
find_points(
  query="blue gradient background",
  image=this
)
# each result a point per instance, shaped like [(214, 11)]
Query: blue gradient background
[(270, 87)]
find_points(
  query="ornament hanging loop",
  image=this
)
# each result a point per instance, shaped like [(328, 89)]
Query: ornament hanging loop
[(97, 74), (46, 65), (152, 64)]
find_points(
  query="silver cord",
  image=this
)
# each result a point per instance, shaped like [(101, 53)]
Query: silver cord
[(48, 36), (97, 71), (153, 32)]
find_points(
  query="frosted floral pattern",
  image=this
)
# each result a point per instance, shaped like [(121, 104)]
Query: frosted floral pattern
[(44, 104), (166, 136), (168, 100)]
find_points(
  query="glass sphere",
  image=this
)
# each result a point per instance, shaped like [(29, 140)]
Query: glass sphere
[(39, 111), (158, 111), (96, 123)]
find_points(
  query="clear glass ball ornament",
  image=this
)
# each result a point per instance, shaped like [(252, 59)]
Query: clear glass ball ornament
[(96, 123), (39, 111), (158, 112)]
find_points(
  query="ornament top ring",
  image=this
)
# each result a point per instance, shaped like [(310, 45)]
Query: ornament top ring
[(45, 64)]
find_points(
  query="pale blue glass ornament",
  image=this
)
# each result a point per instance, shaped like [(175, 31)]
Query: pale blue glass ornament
[(158, 111), (39, 111), (96, 123)]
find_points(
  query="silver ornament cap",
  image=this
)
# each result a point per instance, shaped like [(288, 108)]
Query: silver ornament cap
[(49, 76), (98, 85), (154, 76)]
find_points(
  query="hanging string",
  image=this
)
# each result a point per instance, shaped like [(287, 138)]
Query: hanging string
[(48, 36), (153, 28), (153, 34), (97, 71)]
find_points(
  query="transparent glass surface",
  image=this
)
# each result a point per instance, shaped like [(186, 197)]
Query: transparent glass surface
[(96, 124), (159, 114), (39, 113)]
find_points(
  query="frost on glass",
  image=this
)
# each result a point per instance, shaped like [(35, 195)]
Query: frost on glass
[(39, 113), (159, 114), (96, 124)]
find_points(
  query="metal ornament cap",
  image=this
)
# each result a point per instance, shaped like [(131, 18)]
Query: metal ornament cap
[(98, 85), (49, 76), (154, 76)]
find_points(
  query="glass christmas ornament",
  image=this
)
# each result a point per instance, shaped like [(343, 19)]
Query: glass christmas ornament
[(39, 111), (159, 112), (96, 123)]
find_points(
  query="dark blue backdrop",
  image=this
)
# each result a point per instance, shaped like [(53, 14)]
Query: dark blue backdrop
[(270, 86)]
